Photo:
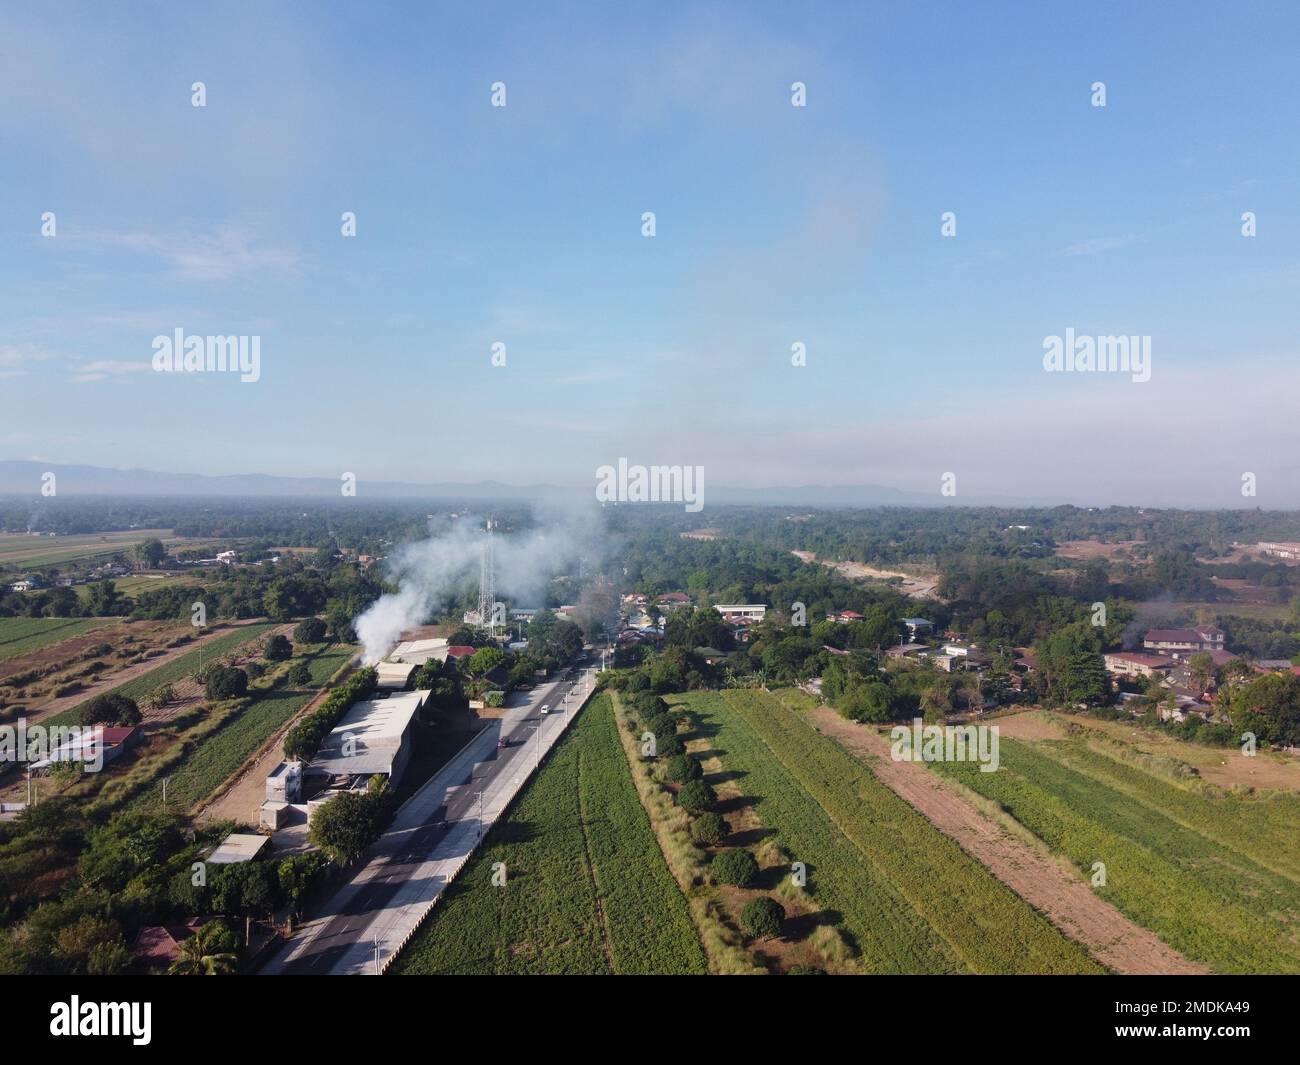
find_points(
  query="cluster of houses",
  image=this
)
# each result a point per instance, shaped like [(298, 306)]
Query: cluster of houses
[(639, 626), (1166, 654), (35, 582)]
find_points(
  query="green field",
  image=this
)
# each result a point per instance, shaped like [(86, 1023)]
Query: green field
[(18, 636), (1215, 875), (911, 900), (588, 890), (31, 552), (179, 667), (218, 756), (142, 582)]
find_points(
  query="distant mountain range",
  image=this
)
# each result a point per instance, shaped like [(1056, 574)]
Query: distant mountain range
[(24, 477)]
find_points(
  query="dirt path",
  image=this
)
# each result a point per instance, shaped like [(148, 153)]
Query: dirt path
[(1028, 870), (139, 669)]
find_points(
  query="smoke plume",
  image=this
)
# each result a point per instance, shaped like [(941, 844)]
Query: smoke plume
[(429, 573)]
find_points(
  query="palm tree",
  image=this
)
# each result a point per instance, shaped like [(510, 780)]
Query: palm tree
[(206, 953)]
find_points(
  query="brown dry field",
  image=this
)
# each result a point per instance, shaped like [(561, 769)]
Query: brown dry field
[(919, 585), (1086, 550), (1023, 864), (42, 706)]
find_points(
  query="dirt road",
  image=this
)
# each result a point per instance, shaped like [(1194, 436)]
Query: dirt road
[(1028, 869)]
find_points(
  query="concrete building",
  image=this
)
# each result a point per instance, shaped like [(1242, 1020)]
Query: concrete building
[(917, 627), (374, 737), (1199, 638), (1280, 549), (1136, 664), (741, 611), (285, 783)]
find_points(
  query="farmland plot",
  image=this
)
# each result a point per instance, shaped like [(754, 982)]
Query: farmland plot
[(587, 889), (976, 918), (1212, 902)]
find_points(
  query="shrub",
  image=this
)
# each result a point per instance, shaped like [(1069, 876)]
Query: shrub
[(762, 917), (109, 709), (682, 769), (310, 631), (160, 697), (225, 682), (696, 797), (300, 674), (709, 829), (647, 704), (667, 745), (655, 722), (278, 649), (735, 866)]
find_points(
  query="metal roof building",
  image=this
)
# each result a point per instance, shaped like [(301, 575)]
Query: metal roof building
[(238, 847), (417, 652), (371, 738), (394, 674)]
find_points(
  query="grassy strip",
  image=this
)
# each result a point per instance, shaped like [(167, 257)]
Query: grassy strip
[(20, 636), (1212, 904), (687, 862), (888, 934), (548, 917), (987, 924)]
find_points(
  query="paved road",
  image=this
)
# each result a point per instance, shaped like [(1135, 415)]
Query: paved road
[(430, 839)]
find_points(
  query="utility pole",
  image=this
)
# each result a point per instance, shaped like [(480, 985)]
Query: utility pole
[(165, 793), (377, 972), (480, 816)]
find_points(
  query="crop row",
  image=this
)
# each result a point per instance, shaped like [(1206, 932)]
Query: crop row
[(987, 925), (1265, 829), (586, 889), (1212, 904)]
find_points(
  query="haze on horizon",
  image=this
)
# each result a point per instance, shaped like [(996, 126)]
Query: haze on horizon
[(775, 226)]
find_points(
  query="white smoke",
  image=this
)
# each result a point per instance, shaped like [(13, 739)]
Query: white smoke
[(430, 572)]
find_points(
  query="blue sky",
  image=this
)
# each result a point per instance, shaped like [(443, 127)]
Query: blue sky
[(774, 225)]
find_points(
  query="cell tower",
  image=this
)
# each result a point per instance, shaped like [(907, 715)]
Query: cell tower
[(487, 593)]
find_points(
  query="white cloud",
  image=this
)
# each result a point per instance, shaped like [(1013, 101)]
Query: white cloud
[(102, 369), (16, 359), (225, 253), (1098, 245)]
